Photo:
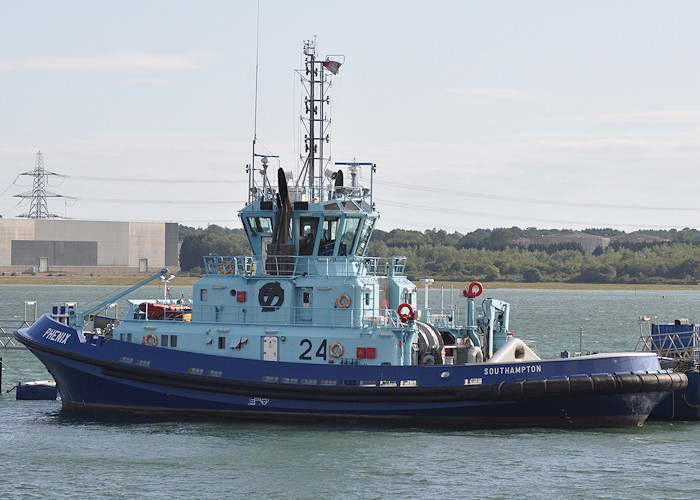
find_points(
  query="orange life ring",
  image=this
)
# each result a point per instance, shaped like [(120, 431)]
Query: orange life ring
[(150, 337), (405, 316), (470, 293), (226, 267), (336, 353), (343, 301)]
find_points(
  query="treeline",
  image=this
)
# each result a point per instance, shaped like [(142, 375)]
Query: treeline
[(196, 243), (492, 255)]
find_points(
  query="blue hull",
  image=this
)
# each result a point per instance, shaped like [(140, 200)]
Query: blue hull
[(600, 390), (682, 404)]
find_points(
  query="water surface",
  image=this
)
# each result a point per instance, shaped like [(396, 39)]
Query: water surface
[(48, 453)]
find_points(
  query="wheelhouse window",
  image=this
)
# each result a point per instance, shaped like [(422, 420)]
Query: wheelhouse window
[(306, 235), (260, 225), (364, 235), (348, 236), (328, 236)]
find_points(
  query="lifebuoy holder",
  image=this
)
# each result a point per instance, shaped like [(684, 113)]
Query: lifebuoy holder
[(150, 340), (405, 316), (470, 293), (336, 350), (343, 301)]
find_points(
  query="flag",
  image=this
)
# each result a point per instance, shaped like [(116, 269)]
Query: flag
[(332, 66), (210, 341)]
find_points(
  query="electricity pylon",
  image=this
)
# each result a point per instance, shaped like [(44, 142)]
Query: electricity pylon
[(38, 208)]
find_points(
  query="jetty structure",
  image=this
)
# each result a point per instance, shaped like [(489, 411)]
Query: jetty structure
[(310, 328), (678, 346)]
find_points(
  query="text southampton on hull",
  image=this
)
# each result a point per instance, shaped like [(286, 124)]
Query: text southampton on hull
[(309, 327)]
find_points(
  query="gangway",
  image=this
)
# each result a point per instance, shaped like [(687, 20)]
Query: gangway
[(8, 326)]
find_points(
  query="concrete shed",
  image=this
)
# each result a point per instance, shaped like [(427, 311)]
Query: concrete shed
[(83, 247)]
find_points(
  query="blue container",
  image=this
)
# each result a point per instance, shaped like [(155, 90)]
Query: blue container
[(673, 336)]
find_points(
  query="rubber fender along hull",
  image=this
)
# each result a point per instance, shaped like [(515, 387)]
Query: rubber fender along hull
[(681, 403)]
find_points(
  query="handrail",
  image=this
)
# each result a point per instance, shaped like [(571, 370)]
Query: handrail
[(683, 345), (294, 265), (7, 338), (74, 316)]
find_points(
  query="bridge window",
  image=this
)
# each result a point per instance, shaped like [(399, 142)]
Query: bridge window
[(307, 226), (328, 236), (364, 235), (348, 237), (260, 225)]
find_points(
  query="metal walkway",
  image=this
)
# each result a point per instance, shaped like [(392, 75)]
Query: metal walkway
[(8, 326), (7, 329)]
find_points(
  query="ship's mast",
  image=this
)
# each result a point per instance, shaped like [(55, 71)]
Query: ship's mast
[(317, 124)]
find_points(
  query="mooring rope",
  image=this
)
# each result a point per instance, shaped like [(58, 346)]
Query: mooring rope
[(685, 400)]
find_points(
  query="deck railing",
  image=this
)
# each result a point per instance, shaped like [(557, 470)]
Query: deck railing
[(7, 329), (292, 265), (680, 342), (8, 326)]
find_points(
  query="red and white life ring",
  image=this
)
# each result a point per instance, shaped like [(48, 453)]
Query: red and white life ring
[(470, 293), (405, 316)]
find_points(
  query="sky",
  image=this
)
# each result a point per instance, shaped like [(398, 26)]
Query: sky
[(478, 114)]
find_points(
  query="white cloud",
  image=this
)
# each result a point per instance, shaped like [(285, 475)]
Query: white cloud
[(115, 62), (595, 179), (487, 95), (661, 116), (151, 81), (544, 179), (115, 175)]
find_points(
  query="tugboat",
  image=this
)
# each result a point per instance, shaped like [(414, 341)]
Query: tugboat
[(678, 346), (310, 328)]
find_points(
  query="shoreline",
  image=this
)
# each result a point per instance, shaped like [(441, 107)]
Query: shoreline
[(126, 281), (114, 280)]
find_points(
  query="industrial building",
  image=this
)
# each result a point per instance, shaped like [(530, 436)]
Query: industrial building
[(589, 242), (84, 247), (41, 242)]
